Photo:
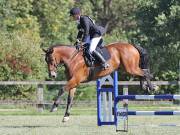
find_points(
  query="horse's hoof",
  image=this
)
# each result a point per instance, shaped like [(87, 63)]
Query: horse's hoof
[(53, 109), (65, 119), (155, 87), (151, 87), (144, 87)]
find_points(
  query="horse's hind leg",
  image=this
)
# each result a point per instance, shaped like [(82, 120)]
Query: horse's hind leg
[(132, 67), (144, 75), (139, 72), (145, 67), (148, 77), (142, 83)]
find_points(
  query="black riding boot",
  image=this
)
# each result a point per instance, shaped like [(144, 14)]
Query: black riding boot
[(101, 58)]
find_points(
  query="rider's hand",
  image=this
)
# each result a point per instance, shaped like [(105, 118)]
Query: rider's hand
[(83, 43), (78, 47), (77, 44)]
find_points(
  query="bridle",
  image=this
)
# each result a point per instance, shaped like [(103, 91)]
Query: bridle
[(49, 59)]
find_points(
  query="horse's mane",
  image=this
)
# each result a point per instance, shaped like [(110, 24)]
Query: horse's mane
[(59, 45)]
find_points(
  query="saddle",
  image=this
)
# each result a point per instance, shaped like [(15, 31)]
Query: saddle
[(91, 60)]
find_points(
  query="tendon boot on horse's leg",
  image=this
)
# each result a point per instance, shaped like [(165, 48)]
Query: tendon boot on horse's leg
[(57, 101), (67, 113), (147, 73), (105, 65), (69, 104), (148, 77), (143, 84)]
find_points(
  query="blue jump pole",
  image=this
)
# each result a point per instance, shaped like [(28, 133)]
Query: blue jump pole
[(98, 103)]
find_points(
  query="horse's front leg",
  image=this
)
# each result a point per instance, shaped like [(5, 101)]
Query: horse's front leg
[(57, 100), (69, 104)]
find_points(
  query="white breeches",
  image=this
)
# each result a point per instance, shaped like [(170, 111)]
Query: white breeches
[(93, 43)]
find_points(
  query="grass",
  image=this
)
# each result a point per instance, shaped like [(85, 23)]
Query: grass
[(77, 110), (86, 125), (23, 120)]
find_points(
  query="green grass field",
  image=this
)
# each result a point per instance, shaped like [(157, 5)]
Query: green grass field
[(86, 125), (83, 121)]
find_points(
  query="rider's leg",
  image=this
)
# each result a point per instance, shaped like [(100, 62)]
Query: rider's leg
[(93, 44), (88, 40), (101, 58)]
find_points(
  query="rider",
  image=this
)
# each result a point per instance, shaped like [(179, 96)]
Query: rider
[(89, 33)]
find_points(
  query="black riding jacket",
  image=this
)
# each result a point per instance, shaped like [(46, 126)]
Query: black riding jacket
[(88, 28)]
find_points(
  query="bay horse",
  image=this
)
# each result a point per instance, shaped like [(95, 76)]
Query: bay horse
[(77, 72)]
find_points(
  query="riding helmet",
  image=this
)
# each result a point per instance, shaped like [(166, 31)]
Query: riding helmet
[(75, 11)]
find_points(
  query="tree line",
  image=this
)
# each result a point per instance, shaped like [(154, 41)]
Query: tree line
[(27, 26)]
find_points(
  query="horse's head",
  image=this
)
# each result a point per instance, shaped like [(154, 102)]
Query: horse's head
[(52, 62)]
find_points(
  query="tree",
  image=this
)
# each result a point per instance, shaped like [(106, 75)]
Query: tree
[(54, 20), (158, 30), (112, 14), (20, 52)]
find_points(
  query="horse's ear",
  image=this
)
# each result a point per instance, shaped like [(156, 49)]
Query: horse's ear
[(51, 50), (44, 50)]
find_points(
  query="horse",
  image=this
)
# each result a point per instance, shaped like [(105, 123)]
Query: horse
[(77, 71)]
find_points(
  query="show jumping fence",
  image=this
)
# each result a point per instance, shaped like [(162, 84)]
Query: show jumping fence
[(109, 112)]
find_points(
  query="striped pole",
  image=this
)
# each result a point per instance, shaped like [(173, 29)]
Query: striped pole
[(153, 112), (146, 97)]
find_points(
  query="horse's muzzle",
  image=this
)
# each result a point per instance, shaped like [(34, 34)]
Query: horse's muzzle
[(52, 74)]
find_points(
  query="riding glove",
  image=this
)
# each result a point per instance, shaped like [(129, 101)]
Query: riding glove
[(77, 44)]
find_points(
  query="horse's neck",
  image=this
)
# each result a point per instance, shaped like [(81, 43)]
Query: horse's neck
[(66, 57), (66, 54)]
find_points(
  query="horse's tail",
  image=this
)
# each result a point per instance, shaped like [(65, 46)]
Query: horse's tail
[(144, 58)]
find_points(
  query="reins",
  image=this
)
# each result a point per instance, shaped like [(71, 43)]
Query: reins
[(72, 56), (77, 51)]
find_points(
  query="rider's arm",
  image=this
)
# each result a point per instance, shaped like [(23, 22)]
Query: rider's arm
[(85, 25), (79, 35)]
